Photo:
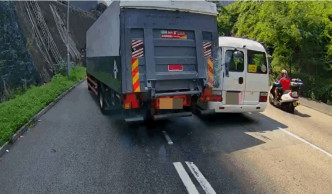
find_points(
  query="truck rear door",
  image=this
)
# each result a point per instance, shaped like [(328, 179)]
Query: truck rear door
[(169, 48)]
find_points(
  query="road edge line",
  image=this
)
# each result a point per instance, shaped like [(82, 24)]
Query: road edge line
[(305, 141), (25, 127)]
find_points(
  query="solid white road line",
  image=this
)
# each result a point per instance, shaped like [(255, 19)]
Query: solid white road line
[(200, 178), (185, 178), (168, 139), (305, 141)]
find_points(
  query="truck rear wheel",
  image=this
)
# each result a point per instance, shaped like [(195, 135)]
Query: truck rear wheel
[(102, 103)]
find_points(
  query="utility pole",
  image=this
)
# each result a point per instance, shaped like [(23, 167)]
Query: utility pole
[(68, 57)]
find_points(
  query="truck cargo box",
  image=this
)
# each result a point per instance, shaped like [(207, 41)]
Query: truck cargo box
[(160, 48)]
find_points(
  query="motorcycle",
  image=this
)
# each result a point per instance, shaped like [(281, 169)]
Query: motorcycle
[(289, 99)]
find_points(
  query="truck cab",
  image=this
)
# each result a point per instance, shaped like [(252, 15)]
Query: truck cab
[(241, 77)]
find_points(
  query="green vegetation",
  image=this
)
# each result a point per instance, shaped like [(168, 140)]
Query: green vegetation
[(298, 34), (16, 112)]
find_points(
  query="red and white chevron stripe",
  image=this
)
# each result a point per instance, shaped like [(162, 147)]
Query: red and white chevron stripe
[(137, 48), (207, 46)]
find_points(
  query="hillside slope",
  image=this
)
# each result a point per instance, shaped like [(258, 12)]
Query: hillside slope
[(16, 65), (39, 44)]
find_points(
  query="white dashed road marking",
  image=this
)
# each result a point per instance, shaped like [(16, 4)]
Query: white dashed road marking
[(200, 178), (170, 142), (191, 188), (185, 178), (305, 141)]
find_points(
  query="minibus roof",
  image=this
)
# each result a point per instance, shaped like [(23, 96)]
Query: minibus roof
[(226, 41)]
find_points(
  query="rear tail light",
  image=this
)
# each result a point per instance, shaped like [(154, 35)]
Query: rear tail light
[(131, 101), (211, 98), (209, 95), (127, 105), (263, 97), (293, 94)]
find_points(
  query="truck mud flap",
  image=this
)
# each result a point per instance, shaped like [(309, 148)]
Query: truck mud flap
[(171, 115)]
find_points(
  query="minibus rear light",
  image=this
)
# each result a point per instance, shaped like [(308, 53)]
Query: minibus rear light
[(263, 97)]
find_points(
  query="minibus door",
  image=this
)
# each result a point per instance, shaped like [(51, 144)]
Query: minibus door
[(233, 82)]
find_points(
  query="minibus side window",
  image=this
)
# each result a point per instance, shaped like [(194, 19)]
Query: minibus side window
[(257, 62), (235, 60)]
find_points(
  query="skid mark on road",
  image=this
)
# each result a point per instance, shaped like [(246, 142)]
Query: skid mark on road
[(305, 141), (191, 188)]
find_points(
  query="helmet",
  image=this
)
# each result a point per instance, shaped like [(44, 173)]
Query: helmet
[(284, 72)]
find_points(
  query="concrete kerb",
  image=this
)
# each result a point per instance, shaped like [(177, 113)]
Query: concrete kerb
[(34, 119), (318, 106)]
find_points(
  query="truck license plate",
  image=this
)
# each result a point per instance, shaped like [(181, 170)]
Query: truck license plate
[(170, 103)]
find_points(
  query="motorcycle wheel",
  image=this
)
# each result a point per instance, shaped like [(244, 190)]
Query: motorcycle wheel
[(270, 99), (291, 108)]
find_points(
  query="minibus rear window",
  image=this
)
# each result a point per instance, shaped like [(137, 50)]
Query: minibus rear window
[(257, 62), (234, 60)]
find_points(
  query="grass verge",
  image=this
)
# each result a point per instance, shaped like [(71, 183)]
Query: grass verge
[(16, 112)]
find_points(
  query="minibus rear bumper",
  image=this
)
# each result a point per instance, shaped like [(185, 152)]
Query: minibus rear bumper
[(219, 107)]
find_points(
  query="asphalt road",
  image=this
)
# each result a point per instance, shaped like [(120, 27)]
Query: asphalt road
[(75, 149)]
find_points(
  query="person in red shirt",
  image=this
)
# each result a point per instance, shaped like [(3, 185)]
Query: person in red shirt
[(285, 85), (285, 81)]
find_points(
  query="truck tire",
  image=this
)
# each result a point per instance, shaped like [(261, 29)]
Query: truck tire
[(102, 103), (113, 100)]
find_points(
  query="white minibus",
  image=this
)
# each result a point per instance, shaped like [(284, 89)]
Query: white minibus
[(241, 77)]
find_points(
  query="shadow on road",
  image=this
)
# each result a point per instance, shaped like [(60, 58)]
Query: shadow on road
[(214, 133), (301, 114), (206, 140), (242, 119), (295, 113), (228, 132)]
